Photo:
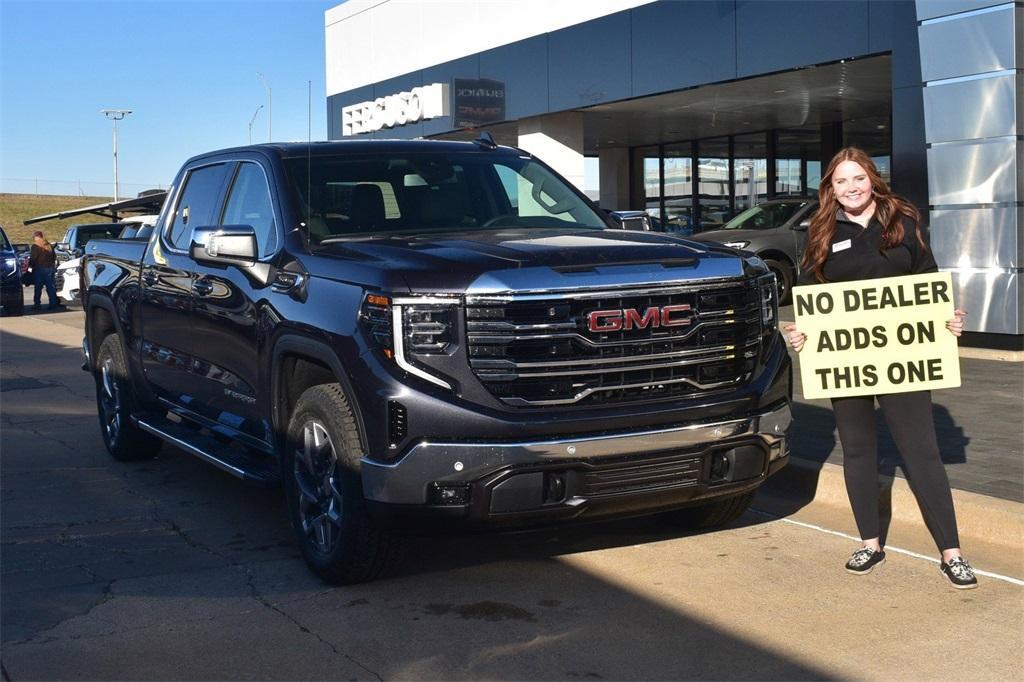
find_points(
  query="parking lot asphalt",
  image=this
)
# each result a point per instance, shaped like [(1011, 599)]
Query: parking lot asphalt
[(170, 569)]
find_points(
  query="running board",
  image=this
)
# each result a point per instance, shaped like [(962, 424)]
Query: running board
[(212, 451)]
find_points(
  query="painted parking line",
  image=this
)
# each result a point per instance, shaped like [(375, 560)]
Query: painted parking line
[(888, 548)]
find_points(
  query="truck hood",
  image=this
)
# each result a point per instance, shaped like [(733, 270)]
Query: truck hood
[(516, 260), (722, 236)]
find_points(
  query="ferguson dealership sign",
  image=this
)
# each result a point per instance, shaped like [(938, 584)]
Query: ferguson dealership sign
[(428, 101)]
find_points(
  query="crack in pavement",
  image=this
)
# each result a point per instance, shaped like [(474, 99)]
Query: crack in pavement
[(251, 582)]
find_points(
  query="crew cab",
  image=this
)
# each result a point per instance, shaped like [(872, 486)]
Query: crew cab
[(413, 334)]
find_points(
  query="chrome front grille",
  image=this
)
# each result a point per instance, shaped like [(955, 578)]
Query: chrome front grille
[(537, 350)]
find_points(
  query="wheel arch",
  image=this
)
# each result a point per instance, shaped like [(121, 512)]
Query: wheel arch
[(776, 254), (100, 322), (299, 363)]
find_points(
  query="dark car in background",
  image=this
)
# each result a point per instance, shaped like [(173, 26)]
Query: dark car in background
[(776, 230), (10, 278)]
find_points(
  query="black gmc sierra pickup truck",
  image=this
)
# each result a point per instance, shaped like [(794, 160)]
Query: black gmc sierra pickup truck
[(411, 331)]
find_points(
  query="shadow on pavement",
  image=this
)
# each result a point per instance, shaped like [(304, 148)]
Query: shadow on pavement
[(175, 531)]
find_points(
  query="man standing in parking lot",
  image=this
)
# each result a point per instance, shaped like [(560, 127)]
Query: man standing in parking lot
[(43, 261)]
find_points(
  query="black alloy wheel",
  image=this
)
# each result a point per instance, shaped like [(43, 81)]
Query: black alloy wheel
[(114, 403), (316, 475), (339, 539)]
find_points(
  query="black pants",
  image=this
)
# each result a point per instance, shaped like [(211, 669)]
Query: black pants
[(909, 416)]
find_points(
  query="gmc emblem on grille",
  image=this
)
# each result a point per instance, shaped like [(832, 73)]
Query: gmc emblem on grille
[(630, 318)]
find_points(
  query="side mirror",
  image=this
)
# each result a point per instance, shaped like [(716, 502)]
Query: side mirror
[(62, 246), (802, 226), (224, 245)]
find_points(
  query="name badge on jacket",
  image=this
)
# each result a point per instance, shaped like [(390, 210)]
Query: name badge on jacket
[(841, 246)]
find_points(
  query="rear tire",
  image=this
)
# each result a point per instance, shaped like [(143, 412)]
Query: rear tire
[(784, 275), (15, 307), (115, 403), (340, 542), (713, 514)]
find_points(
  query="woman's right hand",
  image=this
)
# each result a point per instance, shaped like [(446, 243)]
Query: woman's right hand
[(796, 338)]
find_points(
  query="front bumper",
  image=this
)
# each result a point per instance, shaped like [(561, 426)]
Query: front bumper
[(522, 483)]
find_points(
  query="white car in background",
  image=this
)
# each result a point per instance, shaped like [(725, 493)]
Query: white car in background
[(66, 278)]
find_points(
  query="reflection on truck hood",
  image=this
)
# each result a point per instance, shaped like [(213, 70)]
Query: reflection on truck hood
[(465, 256)]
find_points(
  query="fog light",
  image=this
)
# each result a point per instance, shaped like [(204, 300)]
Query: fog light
[(719, 466), (554, 487), (449, 494)]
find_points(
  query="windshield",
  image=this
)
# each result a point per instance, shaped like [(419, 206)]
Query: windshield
[(764, 217), (4, 244), (350, 197)]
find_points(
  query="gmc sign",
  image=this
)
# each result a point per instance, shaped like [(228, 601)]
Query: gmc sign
[(631, 318)]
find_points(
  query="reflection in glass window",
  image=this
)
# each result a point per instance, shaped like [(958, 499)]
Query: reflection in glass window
[(249, 203), (797, 160), (198, 203), (679, 188), (750, 169), (713, 183)]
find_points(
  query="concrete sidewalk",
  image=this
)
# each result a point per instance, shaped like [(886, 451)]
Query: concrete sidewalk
[(980, 428)]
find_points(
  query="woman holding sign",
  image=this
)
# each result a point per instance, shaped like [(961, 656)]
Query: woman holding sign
[(864, 231)]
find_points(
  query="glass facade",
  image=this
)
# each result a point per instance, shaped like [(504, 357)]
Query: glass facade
[(701, 184)]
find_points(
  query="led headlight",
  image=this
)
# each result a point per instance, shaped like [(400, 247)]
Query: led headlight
[(768, 295), (737, 245), (407, 328)]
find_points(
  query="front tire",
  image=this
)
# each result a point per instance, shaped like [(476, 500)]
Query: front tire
[(114, 404), (339, 540), (712, 514)]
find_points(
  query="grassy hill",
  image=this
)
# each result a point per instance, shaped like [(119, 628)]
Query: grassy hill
[(15, 208)]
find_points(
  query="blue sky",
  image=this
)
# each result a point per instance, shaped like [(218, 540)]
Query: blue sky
[(186, 69)]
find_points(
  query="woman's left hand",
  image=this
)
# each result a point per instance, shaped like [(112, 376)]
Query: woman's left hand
[(956, 324)]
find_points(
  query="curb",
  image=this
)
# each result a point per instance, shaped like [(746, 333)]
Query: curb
[(986, 518)]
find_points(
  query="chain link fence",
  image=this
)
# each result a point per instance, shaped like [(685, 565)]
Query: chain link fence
[(81, 188)]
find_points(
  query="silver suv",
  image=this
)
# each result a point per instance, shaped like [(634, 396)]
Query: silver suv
[(775, 230)]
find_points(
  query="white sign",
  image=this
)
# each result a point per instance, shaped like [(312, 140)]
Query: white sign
[(428, 101)]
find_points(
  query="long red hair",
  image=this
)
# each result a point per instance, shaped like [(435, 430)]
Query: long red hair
[(890, 210)]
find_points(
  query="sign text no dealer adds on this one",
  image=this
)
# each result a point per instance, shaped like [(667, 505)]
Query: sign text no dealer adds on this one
[(877, 336)]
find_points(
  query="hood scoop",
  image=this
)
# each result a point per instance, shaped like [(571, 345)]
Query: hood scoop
[(630, 266)]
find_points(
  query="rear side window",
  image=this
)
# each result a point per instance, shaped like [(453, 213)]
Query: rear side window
[(197, 206), (249, 203)]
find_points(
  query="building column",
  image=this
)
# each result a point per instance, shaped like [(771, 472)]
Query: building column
[(973, 126), (613, 180), (557, 140)]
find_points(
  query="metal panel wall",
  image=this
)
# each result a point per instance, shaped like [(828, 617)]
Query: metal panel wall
[(979, 172), (972, 110), (977, 43), (932, 9), (978, 237)]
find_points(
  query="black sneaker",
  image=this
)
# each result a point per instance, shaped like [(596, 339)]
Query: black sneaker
[(864, 560), (959, 573)]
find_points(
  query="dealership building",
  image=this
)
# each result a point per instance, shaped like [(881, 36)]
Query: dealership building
[(695, 111)]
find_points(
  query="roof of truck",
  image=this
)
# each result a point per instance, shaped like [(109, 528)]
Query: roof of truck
[(364, 146)]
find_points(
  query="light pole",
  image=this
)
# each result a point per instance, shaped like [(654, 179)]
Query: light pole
[(270, 107), (115, 115), (253, 120)]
